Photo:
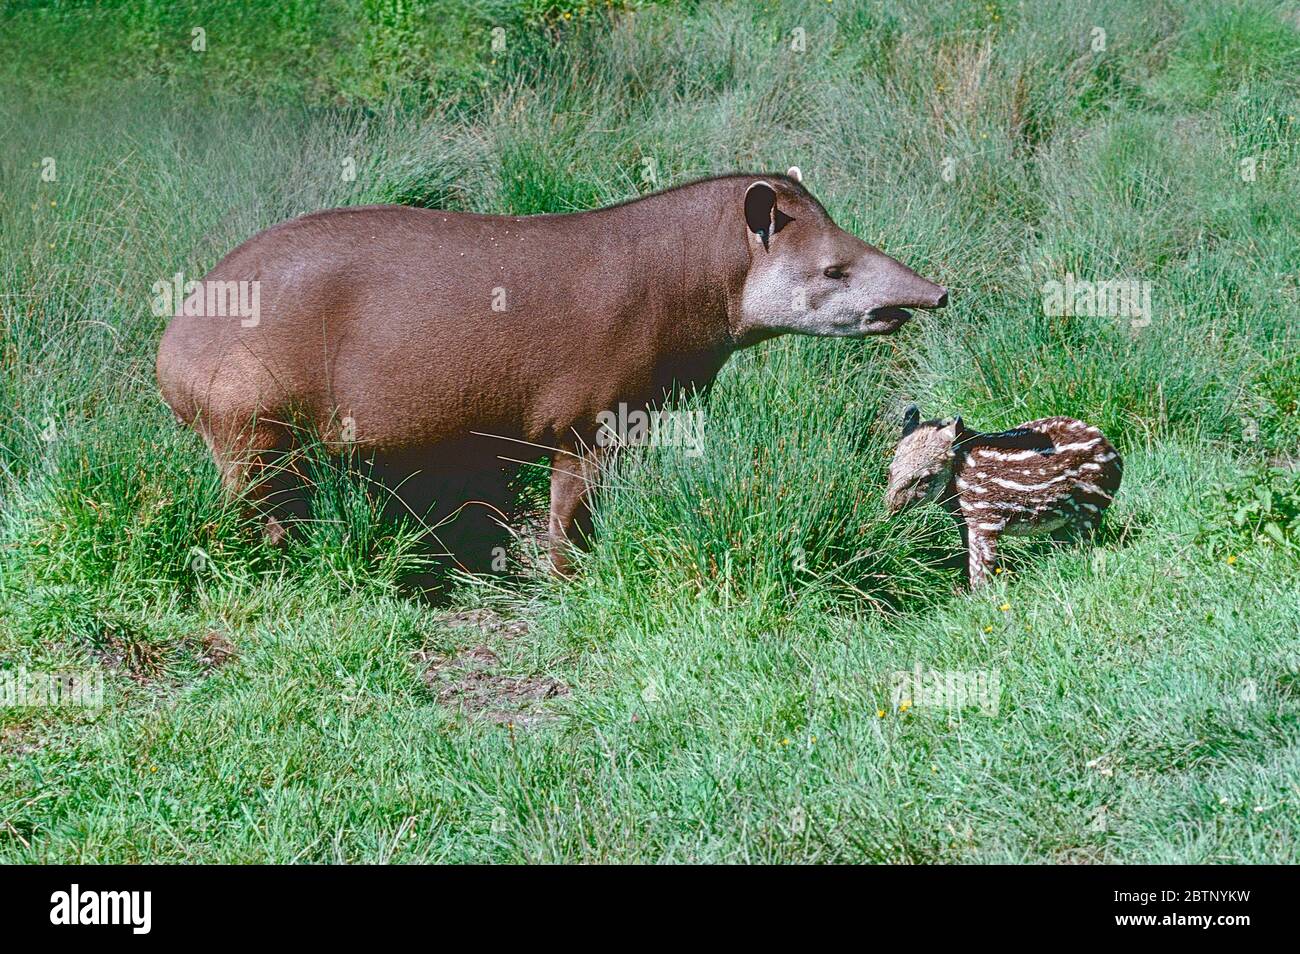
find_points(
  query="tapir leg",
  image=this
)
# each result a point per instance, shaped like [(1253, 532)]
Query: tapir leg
[(982, 556), (573, 473)]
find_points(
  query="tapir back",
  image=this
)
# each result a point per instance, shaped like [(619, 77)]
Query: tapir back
[(422, 326), (1070, 479)]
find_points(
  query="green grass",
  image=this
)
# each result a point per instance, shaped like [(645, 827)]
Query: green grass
[(730, 642)]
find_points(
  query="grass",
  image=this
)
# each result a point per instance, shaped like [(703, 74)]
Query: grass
[(730, 645)]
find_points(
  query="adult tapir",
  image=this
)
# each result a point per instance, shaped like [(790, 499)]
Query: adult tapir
[(443, 342)]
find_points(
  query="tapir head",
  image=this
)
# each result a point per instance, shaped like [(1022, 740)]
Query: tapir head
[(923, 460), (808, 276)]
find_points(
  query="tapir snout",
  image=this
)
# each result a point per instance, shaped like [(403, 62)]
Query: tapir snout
[(904, 287), (900, 288), (809, 276)]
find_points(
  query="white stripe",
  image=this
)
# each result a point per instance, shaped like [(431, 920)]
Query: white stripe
[(1012, 485), (995, 505), (1082, 445), (1003, 456), (1088, 488)]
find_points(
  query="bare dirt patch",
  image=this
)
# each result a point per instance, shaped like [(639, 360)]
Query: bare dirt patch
[(18, 740), (470, 679), (132, 654), (488, 622)]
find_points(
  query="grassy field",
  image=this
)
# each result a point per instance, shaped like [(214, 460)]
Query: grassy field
[(719, 681)]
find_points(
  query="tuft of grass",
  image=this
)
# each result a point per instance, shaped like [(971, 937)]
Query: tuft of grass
[(757, 509), (349, 537), (1225, 45), (99, 514)]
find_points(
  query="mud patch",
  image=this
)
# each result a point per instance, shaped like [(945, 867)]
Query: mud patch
[(470, 681), (532, 541), (18, 740)]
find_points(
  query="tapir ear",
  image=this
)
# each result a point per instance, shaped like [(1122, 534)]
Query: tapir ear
[(760, 204), (955, 429), (911, 418)]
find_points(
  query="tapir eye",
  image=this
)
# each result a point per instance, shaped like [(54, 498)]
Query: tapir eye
[(835, 272)]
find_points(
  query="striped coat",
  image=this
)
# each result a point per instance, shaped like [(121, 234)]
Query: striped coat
[(1056, 473)]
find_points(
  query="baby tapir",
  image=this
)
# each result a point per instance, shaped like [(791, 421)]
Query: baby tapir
[(1052, 474), (440, 343)]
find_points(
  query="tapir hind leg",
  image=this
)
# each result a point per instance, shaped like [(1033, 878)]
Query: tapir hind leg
[(254, 469)]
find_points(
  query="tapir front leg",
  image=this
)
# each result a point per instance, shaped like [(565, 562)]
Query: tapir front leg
[(981, 554), (573, 474)]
